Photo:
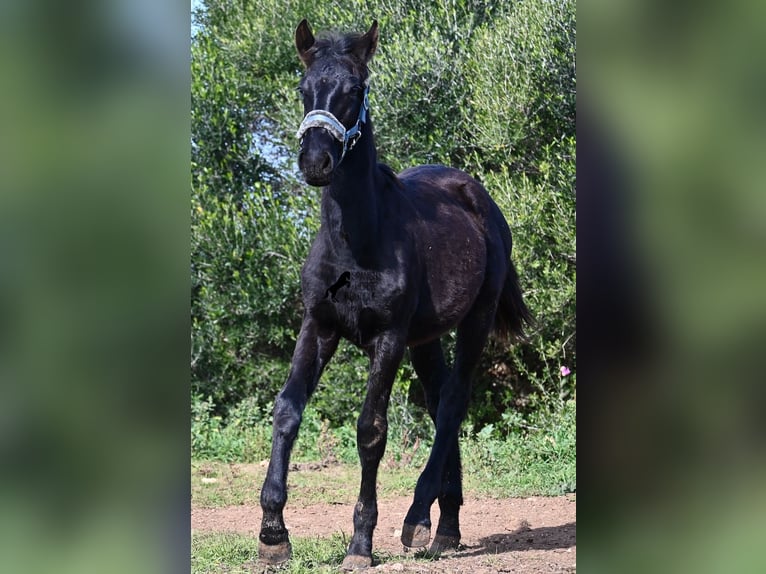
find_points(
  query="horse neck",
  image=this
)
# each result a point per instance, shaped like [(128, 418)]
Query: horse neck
[(350, 206)]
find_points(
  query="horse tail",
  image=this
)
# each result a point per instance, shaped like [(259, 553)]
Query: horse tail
[(512, 313)]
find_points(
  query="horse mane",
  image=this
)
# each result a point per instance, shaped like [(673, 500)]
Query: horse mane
[(329, 43), (390, 175)]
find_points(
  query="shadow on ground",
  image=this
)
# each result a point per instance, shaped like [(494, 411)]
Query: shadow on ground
[(525, 538)]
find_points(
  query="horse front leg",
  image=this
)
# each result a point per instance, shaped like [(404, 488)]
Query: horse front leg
[(312, 352), (372, 434)]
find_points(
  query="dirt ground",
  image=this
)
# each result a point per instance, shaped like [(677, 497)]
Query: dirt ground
[(522, 535)]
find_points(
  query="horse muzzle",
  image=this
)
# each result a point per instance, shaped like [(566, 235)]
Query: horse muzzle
[(318, 157)]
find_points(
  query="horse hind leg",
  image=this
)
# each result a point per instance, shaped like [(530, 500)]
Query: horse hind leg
[(431, 368), (450, 500), (444, 459)]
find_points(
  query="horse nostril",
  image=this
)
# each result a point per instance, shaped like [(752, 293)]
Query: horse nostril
[(327, 163)]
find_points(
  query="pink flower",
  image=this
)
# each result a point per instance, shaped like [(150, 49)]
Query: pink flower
[(565, 371)]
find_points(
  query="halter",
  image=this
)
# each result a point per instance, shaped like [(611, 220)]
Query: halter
[(324, 119)]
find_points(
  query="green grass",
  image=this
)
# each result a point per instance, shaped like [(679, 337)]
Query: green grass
[(222, 552), (238, 553), (539, 459), (216, 484), (225, 484), (235, 553)]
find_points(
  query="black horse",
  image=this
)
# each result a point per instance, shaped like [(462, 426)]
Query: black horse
[(398, 261)]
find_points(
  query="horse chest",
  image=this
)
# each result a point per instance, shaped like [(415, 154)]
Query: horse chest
[(358, 303)]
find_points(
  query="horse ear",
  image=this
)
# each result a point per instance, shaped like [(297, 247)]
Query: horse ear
[(304, 40), (366, 45)]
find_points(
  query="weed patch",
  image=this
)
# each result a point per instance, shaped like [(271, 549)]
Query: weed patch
[(535, 457)]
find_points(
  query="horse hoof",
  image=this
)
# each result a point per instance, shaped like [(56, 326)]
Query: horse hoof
[(415, 535), (443, 543), (274, 554), (355, 562)]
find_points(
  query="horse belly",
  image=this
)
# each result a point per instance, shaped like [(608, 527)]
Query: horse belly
[(452, 283)]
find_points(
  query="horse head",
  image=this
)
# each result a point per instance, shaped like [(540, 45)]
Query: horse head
[(334, 90)]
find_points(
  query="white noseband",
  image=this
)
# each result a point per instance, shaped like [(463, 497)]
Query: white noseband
[(325, 120)]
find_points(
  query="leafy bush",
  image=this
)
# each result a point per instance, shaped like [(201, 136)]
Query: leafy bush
[(238, 439), (542, 216), (245, 292), (522, 86), (521, 121)]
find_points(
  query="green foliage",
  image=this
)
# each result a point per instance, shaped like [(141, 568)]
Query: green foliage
[(246, 290), (541, 211), (339, 395), (522, 457), (238, 439), (244, 435), (522, 86), (516, 456), (481, 85)]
